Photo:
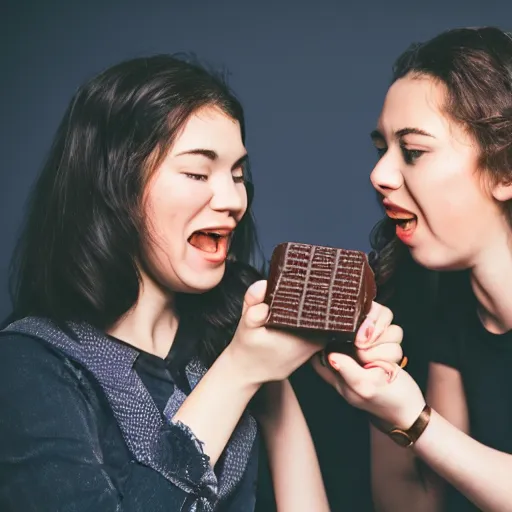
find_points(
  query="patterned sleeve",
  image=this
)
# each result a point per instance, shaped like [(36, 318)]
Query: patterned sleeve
[(50, 439)]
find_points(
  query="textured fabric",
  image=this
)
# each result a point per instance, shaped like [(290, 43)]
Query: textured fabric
[(155, 442)]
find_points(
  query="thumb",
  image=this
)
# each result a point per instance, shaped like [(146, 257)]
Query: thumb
[(328, 374), (348, 368), (255, 294)]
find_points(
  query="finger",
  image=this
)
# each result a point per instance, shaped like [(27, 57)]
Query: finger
[(256, 316), (348, 368), (255, 294), (388, 352), (393, 334), (382, 322), (391, 370), (325, 372), (366, 329)]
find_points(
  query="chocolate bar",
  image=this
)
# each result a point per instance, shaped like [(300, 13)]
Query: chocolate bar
[(321, 289)]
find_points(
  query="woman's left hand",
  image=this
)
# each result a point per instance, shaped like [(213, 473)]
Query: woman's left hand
[(380, 387)]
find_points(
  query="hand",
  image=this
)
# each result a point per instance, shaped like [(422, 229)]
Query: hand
[(377, 340), (263, 354), (381, 387)]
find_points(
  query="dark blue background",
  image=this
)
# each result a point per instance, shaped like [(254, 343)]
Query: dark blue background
[(312, 77)]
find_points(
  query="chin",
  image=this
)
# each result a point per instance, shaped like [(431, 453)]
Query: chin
[(201, 282), (438, 260)]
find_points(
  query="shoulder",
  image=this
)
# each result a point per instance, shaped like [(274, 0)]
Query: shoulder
[(31, 370), (20, 351)]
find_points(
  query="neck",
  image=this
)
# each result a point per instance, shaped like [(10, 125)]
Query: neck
[(151, 324), (491, 281)]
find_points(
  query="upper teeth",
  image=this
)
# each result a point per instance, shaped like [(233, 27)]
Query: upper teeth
[(210, 233), (398, 216)]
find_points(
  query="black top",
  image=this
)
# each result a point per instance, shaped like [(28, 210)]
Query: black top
[(62, 449), (484, 361)]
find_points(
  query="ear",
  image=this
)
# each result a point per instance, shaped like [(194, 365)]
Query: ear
[(502, 191)]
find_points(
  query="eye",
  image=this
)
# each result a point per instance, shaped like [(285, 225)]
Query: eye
[(411, 155), (239, 177), (196, 177)]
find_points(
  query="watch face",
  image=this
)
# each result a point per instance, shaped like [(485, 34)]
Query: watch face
[(400, 438)]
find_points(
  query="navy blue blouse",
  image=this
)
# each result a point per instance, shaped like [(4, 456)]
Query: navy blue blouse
[(86, 424)]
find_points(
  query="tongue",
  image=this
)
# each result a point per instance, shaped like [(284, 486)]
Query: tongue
[(204, 242)]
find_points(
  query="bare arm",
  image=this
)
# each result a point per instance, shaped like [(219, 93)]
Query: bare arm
[(296, 476), (479, 472), (406, 479), (256, 355), (216, 404)]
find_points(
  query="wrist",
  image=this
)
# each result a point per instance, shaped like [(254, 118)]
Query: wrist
[(429, 436), (228, 364), (410, 415), (408, 436)]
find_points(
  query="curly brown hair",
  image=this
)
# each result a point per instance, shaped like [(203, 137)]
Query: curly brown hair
[(475, 66)]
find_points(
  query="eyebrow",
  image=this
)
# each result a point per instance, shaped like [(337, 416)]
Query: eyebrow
[(377, 135), (213, 155)]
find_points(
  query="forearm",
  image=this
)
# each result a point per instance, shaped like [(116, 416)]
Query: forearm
[(298, 484), (481, 473), (216, 404)]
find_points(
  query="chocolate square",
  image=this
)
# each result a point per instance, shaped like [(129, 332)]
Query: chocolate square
[(318, 288)]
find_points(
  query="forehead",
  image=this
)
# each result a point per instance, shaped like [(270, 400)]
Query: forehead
[(210, 128), (415, 102)]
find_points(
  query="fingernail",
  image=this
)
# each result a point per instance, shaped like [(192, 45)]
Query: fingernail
[(258, 288), (334, 364), (367, 329)]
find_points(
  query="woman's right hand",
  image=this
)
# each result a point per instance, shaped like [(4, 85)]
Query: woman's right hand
[(266, 354)]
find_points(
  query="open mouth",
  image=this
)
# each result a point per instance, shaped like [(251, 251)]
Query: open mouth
[(405, 223), (405, 220), (212, 242)]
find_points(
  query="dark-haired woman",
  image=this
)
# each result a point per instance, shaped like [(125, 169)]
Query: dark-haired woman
[(444, 175), (134, 348)]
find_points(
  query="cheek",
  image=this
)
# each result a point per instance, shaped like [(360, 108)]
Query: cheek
[(453, 200), (167, 216), (173, 201)]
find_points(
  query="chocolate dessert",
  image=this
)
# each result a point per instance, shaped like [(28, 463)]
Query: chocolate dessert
[(323, 289)]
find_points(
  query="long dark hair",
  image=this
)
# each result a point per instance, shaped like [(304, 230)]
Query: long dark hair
[(475, 66), (84, 228)]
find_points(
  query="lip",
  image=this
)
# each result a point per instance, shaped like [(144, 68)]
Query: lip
[(397, 212), (212, 258), (223, 232), (219, 230), (406, 221)]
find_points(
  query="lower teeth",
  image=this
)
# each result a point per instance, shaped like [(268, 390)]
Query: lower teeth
[(405, 225)]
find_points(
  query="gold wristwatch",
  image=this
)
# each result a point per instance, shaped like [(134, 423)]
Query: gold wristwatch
[(406, 438)]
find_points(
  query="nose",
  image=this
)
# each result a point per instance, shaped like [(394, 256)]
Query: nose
[(386, 175), (228, 196)]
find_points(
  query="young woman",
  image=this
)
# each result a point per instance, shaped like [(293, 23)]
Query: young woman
[(130, 363), (444, 175)]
